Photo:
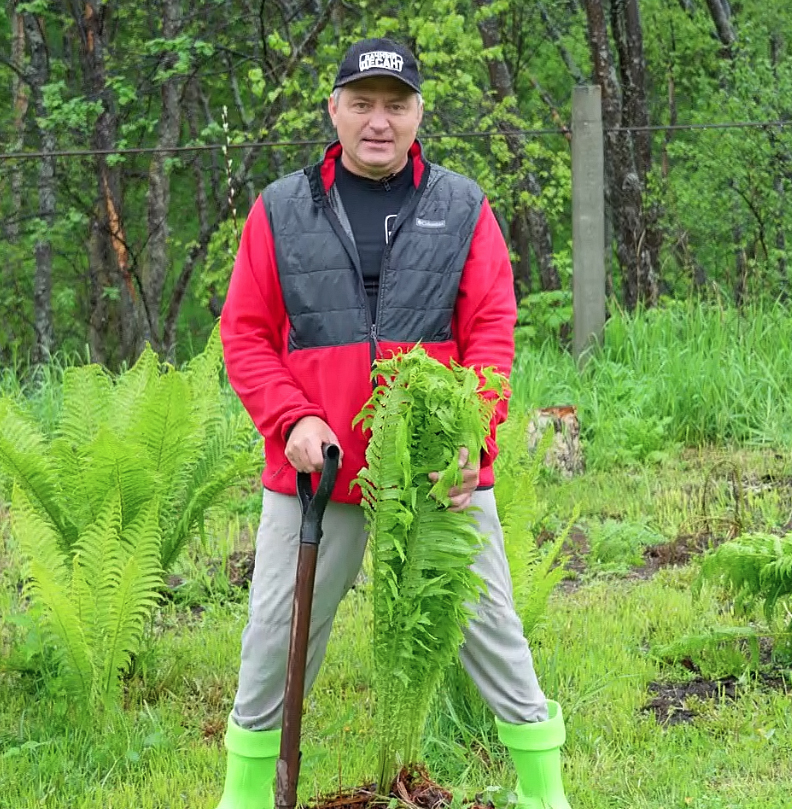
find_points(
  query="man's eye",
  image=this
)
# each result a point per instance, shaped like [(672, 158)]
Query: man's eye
[(360, 106)]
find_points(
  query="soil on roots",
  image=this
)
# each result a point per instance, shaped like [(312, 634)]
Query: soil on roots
[(413, 788)]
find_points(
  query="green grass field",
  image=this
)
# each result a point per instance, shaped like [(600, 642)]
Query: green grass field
[(595, 651)]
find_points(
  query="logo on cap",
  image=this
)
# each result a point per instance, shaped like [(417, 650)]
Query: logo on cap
[(382, 59)]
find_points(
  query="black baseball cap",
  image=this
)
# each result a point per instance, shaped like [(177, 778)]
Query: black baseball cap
[(378, 57)]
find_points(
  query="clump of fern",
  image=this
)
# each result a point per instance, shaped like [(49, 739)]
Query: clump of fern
[(535, 570), (753, 569), (105, 504), (419, 417)]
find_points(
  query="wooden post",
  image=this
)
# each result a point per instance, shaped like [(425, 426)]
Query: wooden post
[(588, 221)]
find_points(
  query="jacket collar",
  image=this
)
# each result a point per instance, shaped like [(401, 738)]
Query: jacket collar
[(333, 152)]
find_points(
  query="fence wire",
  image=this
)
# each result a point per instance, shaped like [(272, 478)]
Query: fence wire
[(283, 144)]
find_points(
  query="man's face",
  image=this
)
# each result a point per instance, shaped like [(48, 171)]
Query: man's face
[(376, 120)]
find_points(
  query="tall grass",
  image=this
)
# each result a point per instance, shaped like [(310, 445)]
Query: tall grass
[(683, 374), (686, 374)]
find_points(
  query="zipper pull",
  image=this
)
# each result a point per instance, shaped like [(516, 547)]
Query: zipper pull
[(374, 332)]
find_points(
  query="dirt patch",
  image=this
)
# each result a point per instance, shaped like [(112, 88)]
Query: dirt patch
[(240, 568), (679, 551), (670, 705), (413, 787)]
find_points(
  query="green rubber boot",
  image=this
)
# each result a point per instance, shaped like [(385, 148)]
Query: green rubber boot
[(535, 750), (250, 771)]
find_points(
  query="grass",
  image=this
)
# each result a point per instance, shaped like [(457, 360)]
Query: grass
[(593, 655), (639, 407)]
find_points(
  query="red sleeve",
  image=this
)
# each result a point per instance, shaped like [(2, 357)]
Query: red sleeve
[(486, 309), (252, 325)]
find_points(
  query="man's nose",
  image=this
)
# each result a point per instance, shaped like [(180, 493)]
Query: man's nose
[(379, 119)]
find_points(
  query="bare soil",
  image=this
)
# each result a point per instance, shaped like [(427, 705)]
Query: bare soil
[(669, 700)]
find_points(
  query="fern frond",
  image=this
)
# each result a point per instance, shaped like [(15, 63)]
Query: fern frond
[(419, 417), (50, 571), (87, 393), (130, 389), (752, 567), (203, 376), (99, 554), (136, 583), (23, 456), (163, 428), (227, 458), (113, 464)]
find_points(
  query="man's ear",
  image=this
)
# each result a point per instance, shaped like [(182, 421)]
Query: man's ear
[(332, 109)]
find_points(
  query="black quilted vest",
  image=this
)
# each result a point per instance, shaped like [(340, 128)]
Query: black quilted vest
[(320, 272)]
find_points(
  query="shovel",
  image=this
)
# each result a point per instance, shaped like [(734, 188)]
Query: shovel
[(313, 508)]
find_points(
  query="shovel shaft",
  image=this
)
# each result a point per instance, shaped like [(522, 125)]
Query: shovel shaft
[(288, 768), (313, 508)]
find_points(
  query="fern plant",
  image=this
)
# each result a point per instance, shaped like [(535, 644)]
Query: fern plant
[(97, 604), (419, 417), (132, 467), (752, 568)]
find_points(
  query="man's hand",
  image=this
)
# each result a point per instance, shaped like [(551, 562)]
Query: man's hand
[(304, 447), (461, 495)]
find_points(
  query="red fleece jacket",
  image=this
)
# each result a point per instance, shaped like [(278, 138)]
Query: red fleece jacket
[(278, 387)]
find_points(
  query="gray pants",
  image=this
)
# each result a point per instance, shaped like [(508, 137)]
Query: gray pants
[(495, 652)]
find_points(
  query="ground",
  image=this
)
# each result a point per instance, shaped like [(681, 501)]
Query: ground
[(643, 732)]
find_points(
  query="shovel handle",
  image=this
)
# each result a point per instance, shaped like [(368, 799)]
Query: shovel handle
[(313, 509), (313, 505)]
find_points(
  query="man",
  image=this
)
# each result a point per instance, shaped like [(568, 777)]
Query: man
[(371, 250)]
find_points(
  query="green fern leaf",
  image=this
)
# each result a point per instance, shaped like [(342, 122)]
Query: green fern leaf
[(50, 584), (23, 456), (419, 417), (130, 390), (87, 394), (135, 584)]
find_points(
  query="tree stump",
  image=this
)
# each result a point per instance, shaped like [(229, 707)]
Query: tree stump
[(565, 453)]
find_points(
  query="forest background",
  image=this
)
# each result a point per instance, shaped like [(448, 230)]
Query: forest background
[(134, 137)]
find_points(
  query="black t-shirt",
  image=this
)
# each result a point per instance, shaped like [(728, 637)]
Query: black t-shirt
[(372, 207)]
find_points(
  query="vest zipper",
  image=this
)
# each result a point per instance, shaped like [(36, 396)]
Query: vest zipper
[(346, 239), (404, 213)]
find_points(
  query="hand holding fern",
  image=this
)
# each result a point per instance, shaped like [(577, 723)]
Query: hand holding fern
[(304, 447), (460, 496)]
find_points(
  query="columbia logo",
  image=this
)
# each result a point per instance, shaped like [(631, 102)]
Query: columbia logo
[(430, 223)]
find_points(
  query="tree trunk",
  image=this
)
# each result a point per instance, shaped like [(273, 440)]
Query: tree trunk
[(538, 226), (520, 241), (19, 94), (627, 160), (721, 16), (42, 279), (119, 321), (159, 183)]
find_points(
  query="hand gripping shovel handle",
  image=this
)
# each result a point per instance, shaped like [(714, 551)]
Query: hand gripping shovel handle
[(313, 508)]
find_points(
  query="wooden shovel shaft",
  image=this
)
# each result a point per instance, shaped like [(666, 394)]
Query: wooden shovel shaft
[(288, 767)]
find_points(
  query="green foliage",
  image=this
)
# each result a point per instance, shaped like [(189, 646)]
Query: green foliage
[(683, 374), (616, 546), (535, 571), (460, 715), (419, 416), (97, 599), (542, 315), (715, 651), (105, 506), (753, 568)]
